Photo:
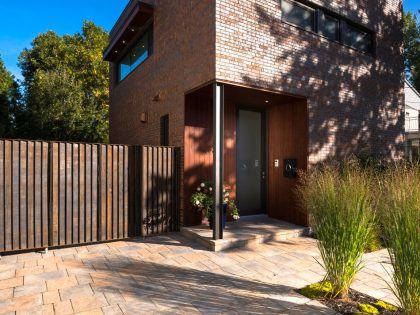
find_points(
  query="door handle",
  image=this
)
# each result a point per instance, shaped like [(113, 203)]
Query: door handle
[(263, 175)]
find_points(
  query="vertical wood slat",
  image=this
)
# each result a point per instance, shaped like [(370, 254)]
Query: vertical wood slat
[(62, 194), (103, 198), (15, 194), (54, 191), (114, 190), (38, 194), (75, 189), (30, 194), (45, 199), (88, 192), (8, 198), (82, 192), (95, 193), (120, 209), (22, 193), (2, 199), (126, 190)]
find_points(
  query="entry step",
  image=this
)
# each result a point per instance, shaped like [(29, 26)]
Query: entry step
[(246, 232)]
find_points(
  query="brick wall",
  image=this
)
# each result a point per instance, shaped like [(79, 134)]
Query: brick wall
[(354, 99), (183, 58)]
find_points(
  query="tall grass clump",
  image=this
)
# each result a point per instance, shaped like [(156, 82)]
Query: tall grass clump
[(400, 205), (339, 203)]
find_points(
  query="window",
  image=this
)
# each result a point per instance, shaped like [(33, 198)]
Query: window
[(328, 24), (135, 56), (330, 27), (298, 14), (359, 39), (164, 130)]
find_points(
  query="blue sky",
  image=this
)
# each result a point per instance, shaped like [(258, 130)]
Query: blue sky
[(21, 21)]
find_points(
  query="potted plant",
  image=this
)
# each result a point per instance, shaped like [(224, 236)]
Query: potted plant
[(202, 200)]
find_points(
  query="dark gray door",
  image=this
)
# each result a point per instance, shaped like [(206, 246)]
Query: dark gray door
[(250, 164)]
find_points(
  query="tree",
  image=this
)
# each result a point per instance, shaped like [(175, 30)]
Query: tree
[(65, 86), (412, 48), (9, 95)]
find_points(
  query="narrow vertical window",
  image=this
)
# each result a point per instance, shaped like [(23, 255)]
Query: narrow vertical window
[(164, 130)]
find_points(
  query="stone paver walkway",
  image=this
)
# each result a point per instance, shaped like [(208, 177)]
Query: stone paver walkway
[(167, 275)]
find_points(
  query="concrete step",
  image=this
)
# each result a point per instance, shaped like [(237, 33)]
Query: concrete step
[(247, 232)]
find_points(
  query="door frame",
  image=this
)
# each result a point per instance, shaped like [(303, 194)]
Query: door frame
[(264, 152)]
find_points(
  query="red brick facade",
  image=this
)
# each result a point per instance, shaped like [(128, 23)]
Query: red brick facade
[(355, 100), (183, 59)]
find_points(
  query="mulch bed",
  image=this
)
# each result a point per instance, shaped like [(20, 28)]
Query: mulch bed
[(350, 306)]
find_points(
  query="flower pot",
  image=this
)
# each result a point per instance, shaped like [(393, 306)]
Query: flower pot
[(224, 217)]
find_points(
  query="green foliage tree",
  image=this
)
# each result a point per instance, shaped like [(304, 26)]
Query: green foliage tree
[(66, 95), (9, 95), (412, 48)]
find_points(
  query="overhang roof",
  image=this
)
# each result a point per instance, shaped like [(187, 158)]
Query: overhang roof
[(134, 17)]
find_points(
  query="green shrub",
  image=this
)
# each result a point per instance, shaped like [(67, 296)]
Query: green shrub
[(317, 290), (400, 204), (368, 309), (338, 201), (381, 305)]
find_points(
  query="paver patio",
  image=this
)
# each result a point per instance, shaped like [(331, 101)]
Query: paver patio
[(172, 275)]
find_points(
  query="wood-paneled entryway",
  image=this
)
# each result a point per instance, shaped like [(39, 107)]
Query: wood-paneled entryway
[(285, 137)]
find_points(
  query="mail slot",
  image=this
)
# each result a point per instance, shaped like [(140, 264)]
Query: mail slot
[(290, 168)]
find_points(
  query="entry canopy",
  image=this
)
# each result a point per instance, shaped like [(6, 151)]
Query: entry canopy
[(134, 18)]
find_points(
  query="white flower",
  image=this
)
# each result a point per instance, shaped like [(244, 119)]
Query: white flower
[(198, 189), (226, 194), (203, 185), (197, 202), (236, 217), (211, 189)]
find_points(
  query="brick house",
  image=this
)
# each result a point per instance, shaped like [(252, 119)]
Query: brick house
[(293, 82)]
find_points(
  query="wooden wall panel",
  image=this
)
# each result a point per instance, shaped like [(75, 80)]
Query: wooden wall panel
[(288, 138), (198, 143)]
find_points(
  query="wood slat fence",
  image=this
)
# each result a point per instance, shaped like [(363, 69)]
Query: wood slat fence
[(56, 193)]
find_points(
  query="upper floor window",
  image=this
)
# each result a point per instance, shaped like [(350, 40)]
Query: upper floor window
[(330, 27), (312, 17), (298, 14), (359, 39), (136, 55)]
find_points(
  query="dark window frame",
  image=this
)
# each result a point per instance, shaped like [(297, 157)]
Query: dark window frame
[(342, 27), (146, 30), (164, 130)]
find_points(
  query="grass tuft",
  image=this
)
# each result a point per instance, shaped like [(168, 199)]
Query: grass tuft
[(338, 200), (400, 205)]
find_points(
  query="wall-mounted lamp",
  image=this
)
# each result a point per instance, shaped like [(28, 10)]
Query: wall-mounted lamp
[(143, 117), (158, 97)]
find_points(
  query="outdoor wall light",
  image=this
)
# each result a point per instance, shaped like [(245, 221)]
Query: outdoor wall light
[(143, 117)]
